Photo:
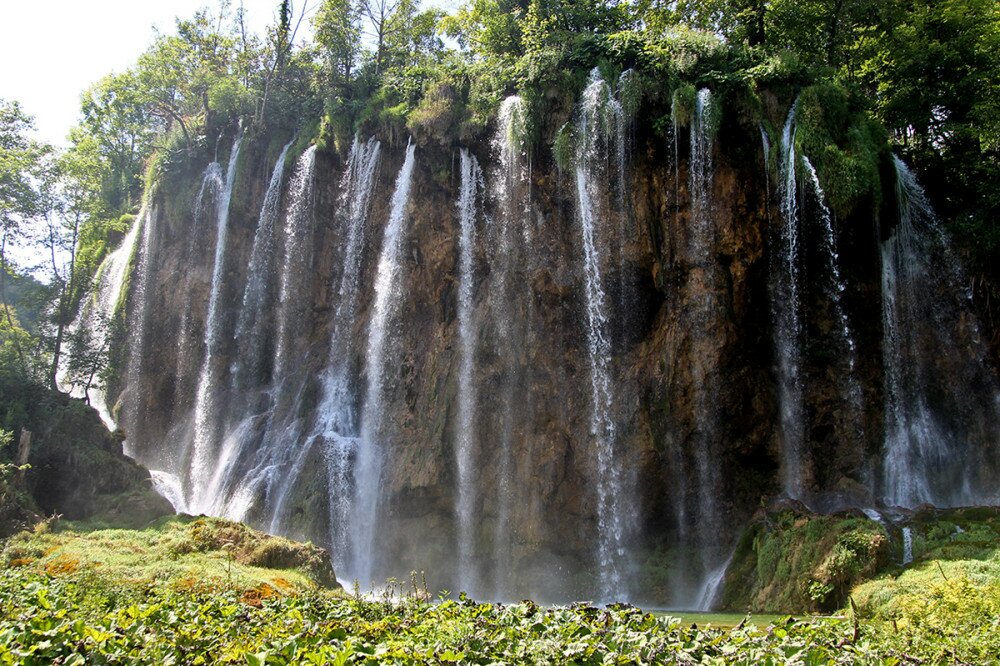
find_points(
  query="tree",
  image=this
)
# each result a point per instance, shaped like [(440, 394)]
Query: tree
[(337, 29), (118, 127), (89, 354), (23, 167), (383, 22)]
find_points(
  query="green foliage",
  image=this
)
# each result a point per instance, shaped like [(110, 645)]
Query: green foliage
[(28, 297), (844, 145), (789, 562), (168, 595), (564, 147), (682, 107)]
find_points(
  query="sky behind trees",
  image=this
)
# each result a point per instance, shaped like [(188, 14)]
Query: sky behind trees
[(53, 50)]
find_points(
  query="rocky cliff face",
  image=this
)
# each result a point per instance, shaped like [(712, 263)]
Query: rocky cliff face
[(671, 298)]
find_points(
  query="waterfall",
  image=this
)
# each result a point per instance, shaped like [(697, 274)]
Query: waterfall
[(465, 430), (250, 327), (295, 259), (850, 388), (208, 381), (701, 172), (711, 586), (907, 546), (249, 337), (939, 390), (708, 528), (140, 262), (212, 184), (285, 449), (507, 294), (337, 421), (388, 294), (595, 125), (98, 311), (785, 305)]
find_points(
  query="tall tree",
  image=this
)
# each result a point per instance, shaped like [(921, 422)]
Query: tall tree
[(24, 164)]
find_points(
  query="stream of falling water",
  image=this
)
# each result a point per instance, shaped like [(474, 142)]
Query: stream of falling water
[(388, 294), (249, 336), (98, 311), (927, 325), (914, 441), (594, 128), (250, 326), (785, 300), (282, 450), (295, 259), (337, 421), (204, 415), (141, 262), (850, 388), (508, 187), (465, 433), (709, 527)]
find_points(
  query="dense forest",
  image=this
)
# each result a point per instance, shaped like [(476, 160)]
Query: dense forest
[(673, 436)]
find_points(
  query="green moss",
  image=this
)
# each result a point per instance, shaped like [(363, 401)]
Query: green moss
[(682, 107), (948, 546), (564, 147), (179, 551), (439, 115), (843, 144), (803, 563)]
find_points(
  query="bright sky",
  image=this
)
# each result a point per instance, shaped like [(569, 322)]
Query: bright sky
[(54, 49)]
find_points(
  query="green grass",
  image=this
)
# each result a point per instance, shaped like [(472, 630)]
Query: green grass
[(182, 552)]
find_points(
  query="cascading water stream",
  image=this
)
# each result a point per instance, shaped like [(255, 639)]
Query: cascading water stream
[(99, 309), (335, 426), (509, 189), (205, 418), (594, 128), (388, 295), (850, 388), (136, 319), (337, 422), (295, 259), (188, 352), (907, 546), (708, 527), (785, 306), (251, 324), (913, 441), (249, 336), (465, 431), (282, 449), (927, 326)]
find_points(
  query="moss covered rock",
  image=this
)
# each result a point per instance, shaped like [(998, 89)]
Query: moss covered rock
[(77, 468), (789, 560), (180, 551)]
